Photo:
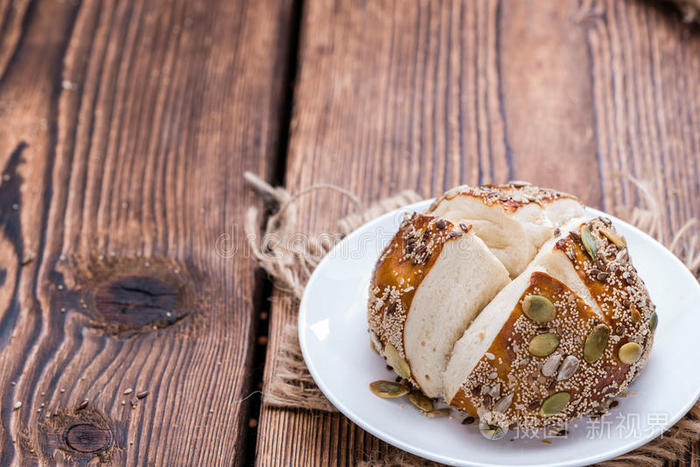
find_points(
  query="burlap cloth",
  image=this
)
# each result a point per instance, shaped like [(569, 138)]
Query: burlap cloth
[(290, 263)]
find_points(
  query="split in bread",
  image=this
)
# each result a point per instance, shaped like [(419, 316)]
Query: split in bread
[(569, 332)]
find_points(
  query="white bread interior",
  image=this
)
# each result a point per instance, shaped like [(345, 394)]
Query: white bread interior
[(513, 237), (477, 339), (464, 278)]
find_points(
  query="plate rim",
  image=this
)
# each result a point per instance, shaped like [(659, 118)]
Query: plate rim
[(358, 420)]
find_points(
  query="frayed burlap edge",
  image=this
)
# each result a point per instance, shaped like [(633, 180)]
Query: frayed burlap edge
[(690, 9), (290, 264)]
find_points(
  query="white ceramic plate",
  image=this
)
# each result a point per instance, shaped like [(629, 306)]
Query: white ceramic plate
[(334, 340)]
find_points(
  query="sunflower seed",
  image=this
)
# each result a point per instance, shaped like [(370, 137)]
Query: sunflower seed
[(621, 256), (519, 183), (388, 389), (551, 365), (568, 368)]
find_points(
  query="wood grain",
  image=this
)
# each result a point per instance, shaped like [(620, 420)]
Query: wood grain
[(124, 131), (393, 95)]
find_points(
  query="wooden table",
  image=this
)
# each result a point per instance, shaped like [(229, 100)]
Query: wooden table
[(132, 318)]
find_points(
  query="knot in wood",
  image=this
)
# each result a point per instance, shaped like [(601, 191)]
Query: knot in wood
[(135, 300), (87, 438)]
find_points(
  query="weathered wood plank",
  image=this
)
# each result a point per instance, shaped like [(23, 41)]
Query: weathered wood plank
[(138, 119), (645, 73), (395, 95)]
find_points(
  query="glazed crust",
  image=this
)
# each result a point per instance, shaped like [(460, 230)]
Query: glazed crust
[(401, 268), (510, 196), (509, 371)]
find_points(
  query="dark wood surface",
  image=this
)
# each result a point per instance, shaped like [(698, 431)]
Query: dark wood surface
[(125, 128)]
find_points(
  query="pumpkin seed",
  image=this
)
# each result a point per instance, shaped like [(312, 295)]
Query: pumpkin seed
[(595, 343), (568, 368), (588, 242), (418, 399), (630, 353), (492, 432), (653, 321), (399, 365), (539, 308), (555, 403), (551, 365), (388, 389), (438, 413), (543, 344), (614, 237)]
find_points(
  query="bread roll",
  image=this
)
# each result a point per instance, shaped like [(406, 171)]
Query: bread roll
[(514, 220), (567, 334), (428, 285), (493, 372)]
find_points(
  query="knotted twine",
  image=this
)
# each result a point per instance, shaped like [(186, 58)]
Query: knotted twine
[(290, 264)]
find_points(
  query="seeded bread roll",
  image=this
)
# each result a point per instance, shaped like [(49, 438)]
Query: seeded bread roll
[(428, 285), (559, 341), (514, 220)]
